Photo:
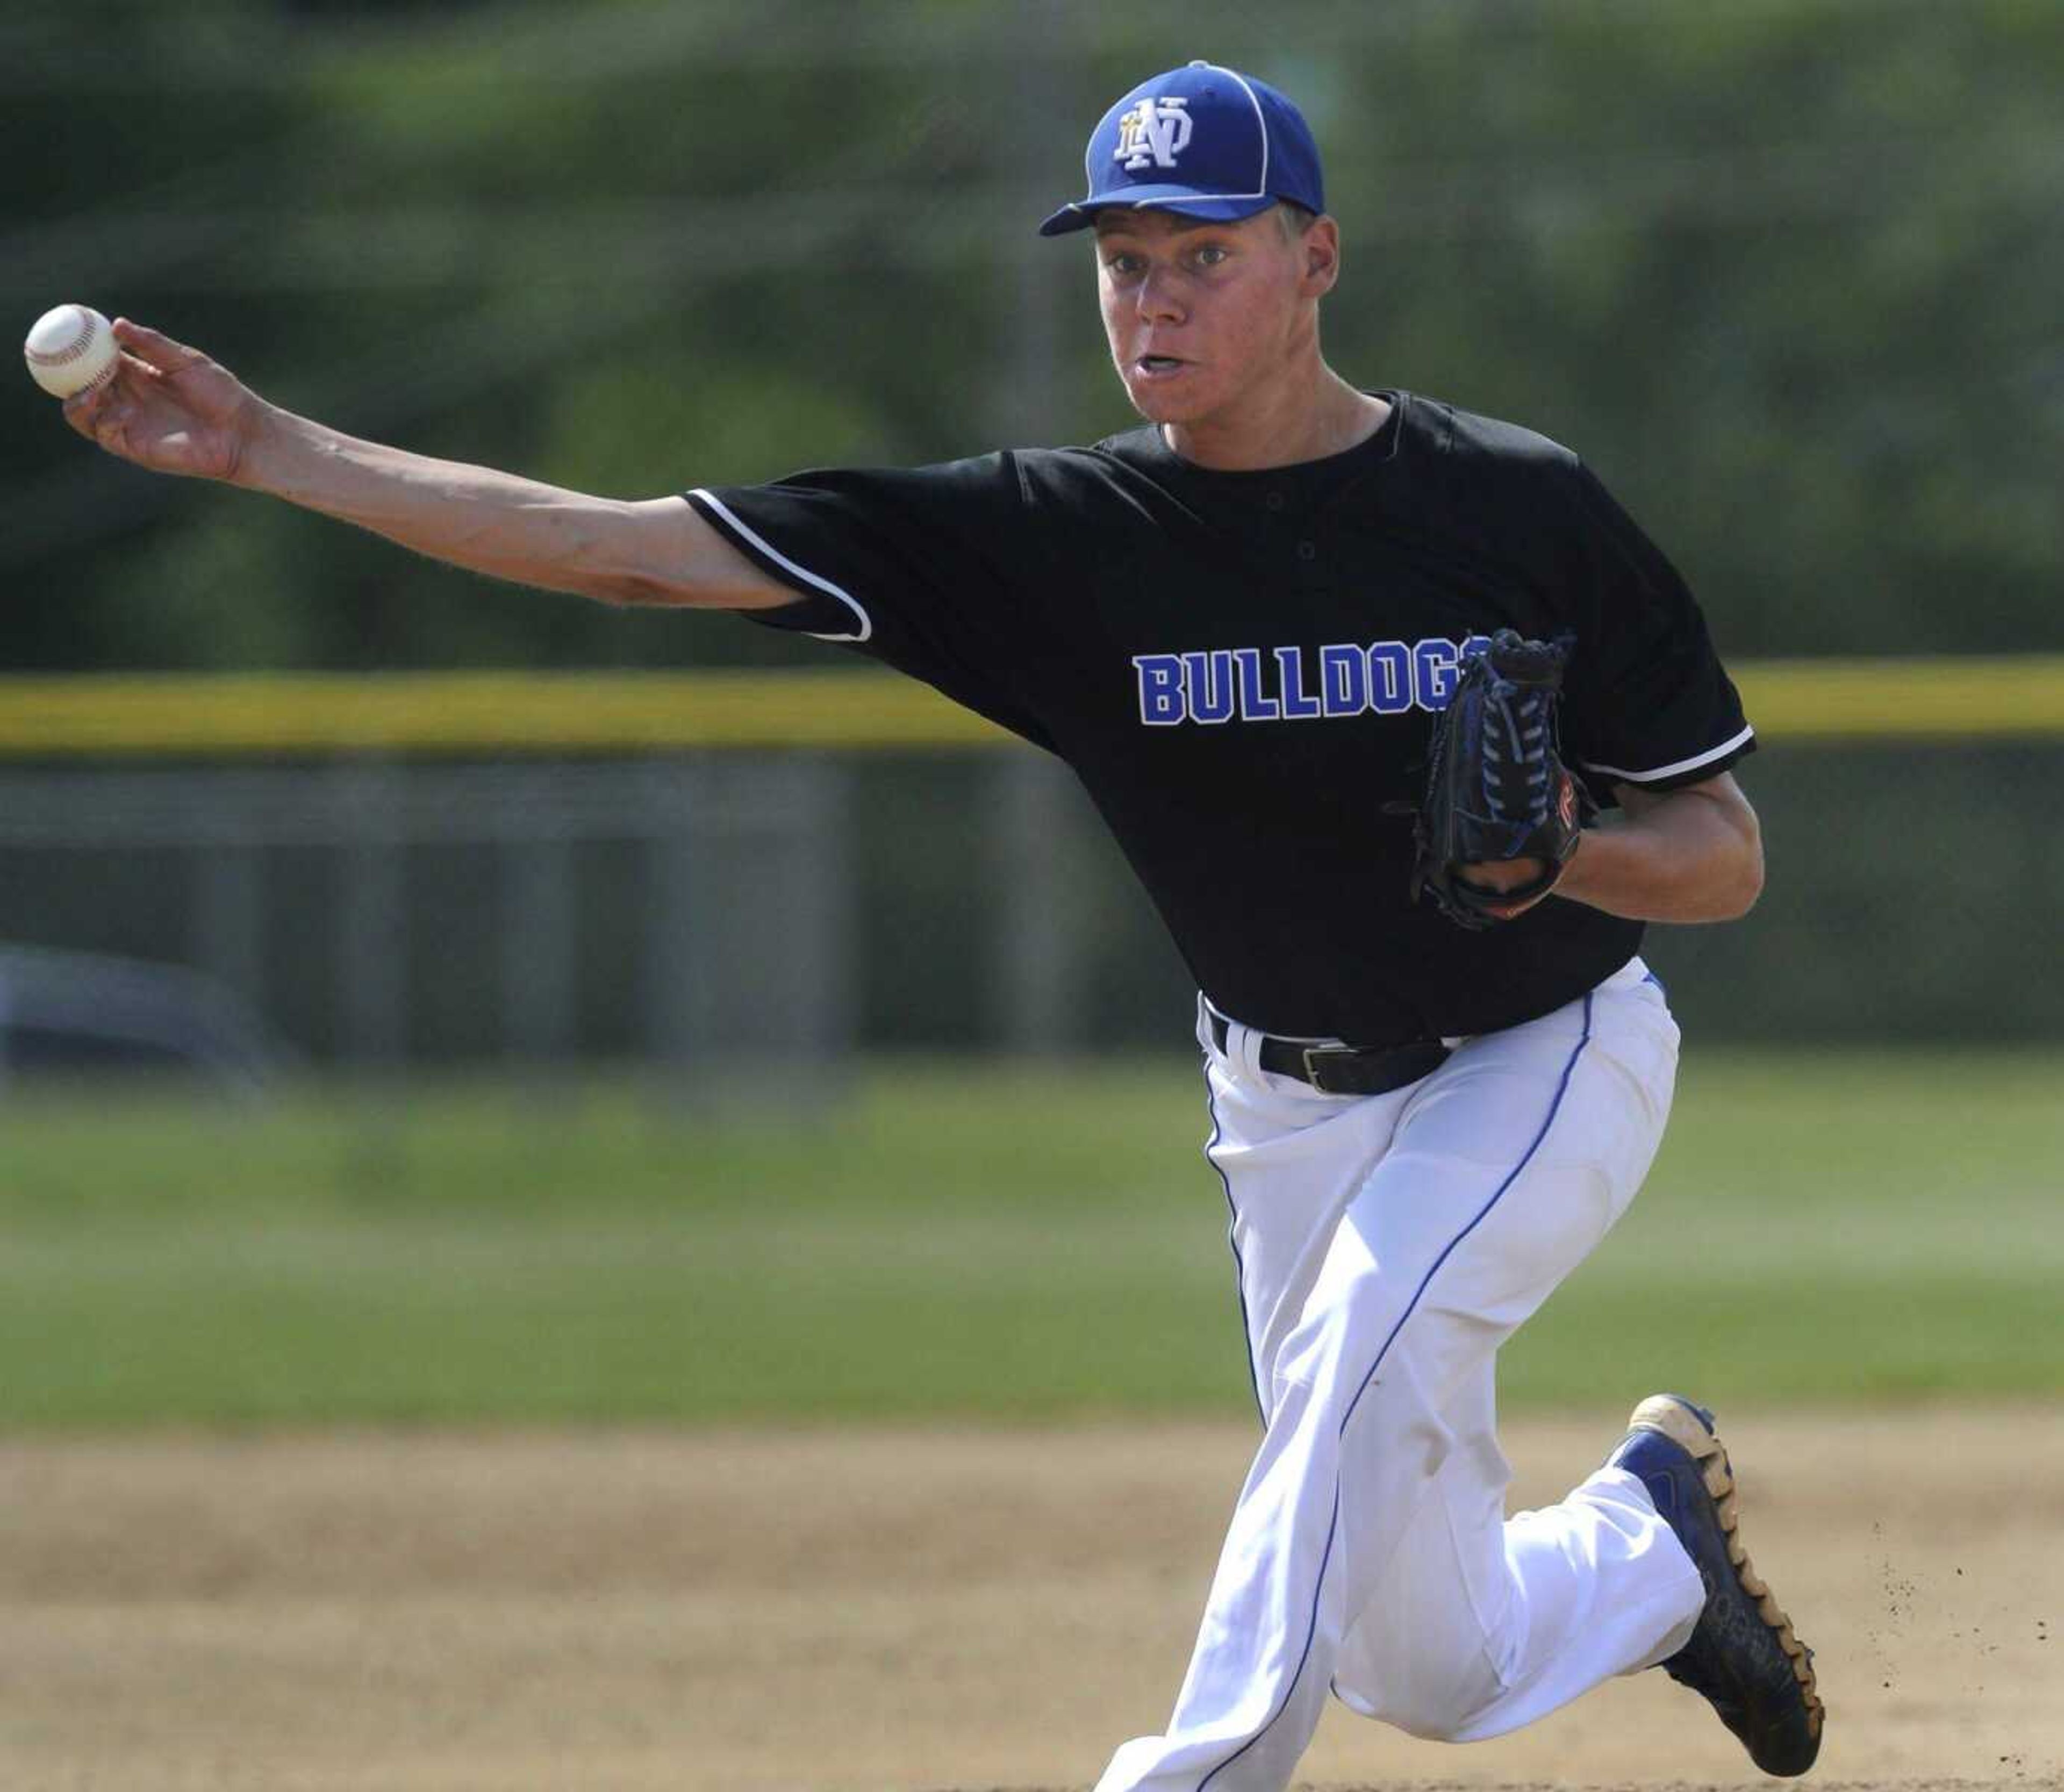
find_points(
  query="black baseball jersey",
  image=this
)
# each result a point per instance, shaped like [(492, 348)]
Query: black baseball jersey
[(1242, 668)]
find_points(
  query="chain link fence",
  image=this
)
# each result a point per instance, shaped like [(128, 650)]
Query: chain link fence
[(707, 913)]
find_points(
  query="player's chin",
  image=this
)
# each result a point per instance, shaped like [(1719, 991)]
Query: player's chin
[(1161, 398)]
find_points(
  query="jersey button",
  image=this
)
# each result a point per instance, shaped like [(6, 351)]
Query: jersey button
[(1275, 500), (1307, 550)]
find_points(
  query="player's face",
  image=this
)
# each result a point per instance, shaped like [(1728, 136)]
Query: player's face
[(1202, 317)]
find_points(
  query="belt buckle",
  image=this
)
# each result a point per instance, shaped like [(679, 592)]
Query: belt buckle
[(1315, 1058)]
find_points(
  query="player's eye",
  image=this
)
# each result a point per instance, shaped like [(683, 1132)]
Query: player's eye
[(1211, 255), (1122, 263)]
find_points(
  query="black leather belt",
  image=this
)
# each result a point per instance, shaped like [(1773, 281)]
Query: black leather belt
[(1343, 1070)]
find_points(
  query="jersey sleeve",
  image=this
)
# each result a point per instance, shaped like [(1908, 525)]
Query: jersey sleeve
[(1649, 703), (930, 569)]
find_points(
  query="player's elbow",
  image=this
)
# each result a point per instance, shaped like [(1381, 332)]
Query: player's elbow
[(1748, 887), (664, 554), (1730, 854), (637, 591), (1741, 883), (629, 560)]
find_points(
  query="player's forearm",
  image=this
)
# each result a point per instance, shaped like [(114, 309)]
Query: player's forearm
[(1690, 855), (472, 516)]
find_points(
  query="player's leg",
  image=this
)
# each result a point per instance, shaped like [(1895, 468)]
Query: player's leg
[(1500, 1174), (1479, 1625), (1482, 1624)]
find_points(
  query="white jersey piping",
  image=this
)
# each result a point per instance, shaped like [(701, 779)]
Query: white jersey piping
[(1691, 764), (731, 521)]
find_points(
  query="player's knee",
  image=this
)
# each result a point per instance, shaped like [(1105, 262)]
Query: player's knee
[(1433, 1719), (1435, 1695)]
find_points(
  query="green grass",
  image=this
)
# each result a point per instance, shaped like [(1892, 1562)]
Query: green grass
[(994, 1243)]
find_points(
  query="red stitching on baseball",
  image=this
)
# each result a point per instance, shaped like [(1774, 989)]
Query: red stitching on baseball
[(71, 353)]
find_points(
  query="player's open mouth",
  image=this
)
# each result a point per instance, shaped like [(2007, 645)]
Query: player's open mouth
[(1159, 365)]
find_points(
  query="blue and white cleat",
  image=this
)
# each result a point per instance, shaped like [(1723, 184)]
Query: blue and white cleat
[(1743, 1656)]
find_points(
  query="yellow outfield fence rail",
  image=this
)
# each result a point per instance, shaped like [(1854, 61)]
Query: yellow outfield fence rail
[(1804, 702)]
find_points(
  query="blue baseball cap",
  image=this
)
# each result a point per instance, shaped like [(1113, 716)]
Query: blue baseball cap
[(1205, 141)]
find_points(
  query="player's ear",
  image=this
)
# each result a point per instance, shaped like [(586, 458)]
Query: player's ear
[(1320, 249)]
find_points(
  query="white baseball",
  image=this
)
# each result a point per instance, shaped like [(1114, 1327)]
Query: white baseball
[(71, 349)]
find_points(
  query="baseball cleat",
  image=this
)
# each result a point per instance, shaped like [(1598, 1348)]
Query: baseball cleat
[(1742, 1656)]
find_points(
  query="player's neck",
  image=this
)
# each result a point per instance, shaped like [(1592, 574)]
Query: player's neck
[(1306, 419)]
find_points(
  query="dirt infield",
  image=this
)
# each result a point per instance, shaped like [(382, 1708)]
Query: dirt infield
[(906, 1610)]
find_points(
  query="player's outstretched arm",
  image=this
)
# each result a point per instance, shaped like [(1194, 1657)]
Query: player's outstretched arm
[(172, 410)]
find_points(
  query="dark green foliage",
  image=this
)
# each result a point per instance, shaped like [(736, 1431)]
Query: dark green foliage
[(1786, 274)]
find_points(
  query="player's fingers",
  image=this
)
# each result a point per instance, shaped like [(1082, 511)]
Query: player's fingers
[(133, 375), (154, 349), (102, 416), (1502, 874), (83, 410)]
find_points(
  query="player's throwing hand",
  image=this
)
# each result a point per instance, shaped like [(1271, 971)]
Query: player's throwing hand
[(169, 407)]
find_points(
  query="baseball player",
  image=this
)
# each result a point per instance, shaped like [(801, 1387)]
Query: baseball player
[(1250, 626)]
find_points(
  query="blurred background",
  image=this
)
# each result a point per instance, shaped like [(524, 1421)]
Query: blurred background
[(1787, 272)]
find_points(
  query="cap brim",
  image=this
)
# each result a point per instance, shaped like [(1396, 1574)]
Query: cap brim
[(1080, 214)]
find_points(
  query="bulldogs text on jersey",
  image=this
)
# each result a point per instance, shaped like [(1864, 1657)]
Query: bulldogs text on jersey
[(1292, 684)]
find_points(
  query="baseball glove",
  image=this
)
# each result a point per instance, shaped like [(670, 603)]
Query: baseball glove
[(1496, 786)]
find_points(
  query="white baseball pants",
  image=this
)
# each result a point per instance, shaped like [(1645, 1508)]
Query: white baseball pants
[(1386, 1246)]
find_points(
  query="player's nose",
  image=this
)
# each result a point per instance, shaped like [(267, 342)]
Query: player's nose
[(1158, 298)]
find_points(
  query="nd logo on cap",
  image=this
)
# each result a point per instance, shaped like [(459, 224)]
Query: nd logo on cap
[(1152, 134), (1203, 140)]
